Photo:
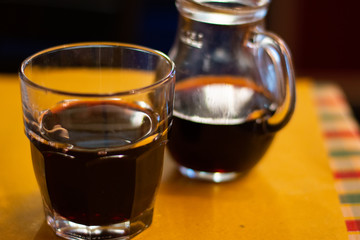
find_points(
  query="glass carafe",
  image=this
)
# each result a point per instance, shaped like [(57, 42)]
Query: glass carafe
[(235, 87)]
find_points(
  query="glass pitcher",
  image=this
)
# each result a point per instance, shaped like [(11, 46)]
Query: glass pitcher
[(235, 87)]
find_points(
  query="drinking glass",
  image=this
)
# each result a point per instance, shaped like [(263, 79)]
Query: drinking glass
[(97, 116)]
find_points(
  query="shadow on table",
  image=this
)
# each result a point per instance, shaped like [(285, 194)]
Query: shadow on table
[(173, 183), (45, 233)]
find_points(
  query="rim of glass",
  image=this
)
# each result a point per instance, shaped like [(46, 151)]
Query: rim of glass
[(206, 4), (159, 82)]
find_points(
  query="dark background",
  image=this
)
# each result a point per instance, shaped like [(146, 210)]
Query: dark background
[(27, 26), (323, 35)]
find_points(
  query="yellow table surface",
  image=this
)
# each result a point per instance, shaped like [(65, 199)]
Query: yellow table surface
[(290, 194)]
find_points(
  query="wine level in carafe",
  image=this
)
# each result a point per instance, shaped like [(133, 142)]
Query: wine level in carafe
[(220, 124), (104, 177)]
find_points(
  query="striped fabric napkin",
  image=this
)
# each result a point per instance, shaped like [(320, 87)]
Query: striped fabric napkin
[(341, 133)]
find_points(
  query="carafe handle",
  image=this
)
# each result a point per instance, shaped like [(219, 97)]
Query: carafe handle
[(282, 71)]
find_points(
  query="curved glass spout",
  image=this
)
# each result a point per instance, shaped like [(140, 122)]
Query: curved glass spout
[(224, 12)]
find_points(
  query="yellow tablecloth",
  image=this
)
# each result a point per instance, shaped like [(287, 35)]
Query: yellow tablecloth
[(290, 194)]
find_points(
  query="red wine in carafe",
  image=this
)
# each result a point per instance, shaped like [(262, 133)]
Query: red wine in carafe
[(220, 124)]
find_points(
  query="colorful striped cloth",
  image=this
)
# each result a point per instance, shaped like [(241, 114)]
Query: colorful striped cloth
[(342, 139)]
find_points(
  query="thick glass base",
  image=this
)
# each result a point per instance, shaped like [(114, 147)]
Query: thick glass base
[(75, 231), (208, 176)]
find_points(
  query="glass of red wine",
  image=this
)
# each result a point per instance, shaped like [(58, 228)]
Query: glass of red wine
[(97, 116)]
